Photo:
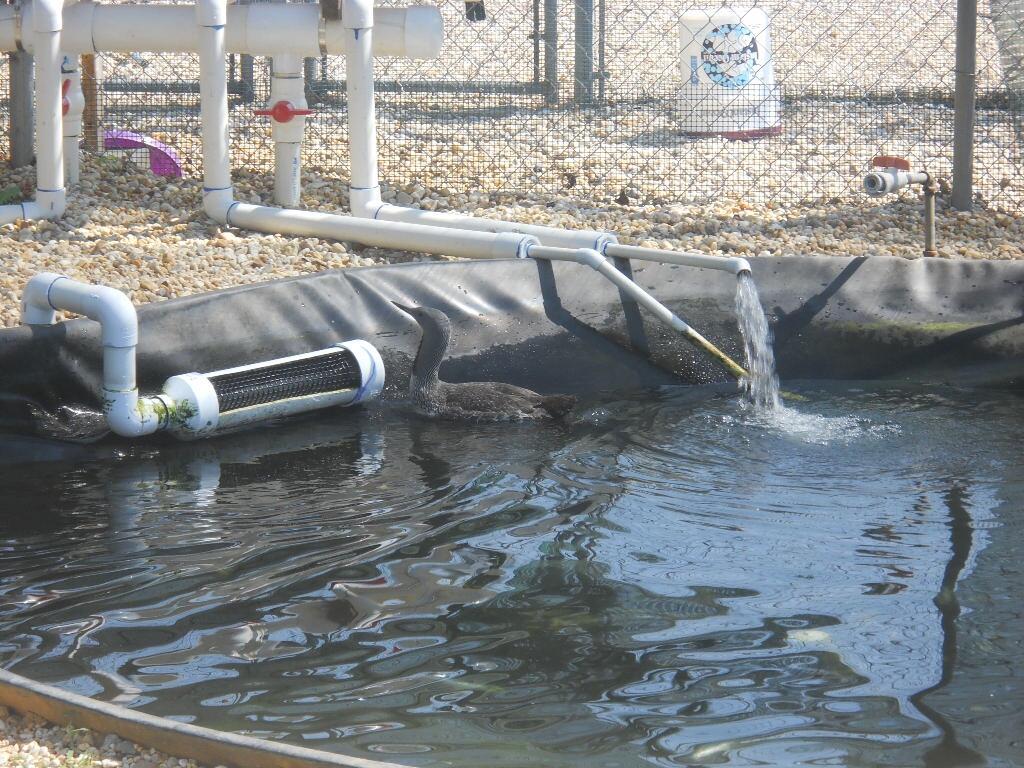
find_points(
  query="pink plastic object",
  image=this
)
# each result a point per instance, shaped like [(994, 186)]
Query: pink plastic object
[(163, 161), (283, 112), (65, 104)]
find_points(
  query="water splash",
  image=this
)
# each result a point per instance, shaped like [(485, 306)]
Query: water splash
[(762, 383)]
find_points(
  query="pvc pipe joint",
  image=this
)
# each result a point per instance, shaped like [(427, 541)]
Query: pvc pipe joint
[(357, 14)]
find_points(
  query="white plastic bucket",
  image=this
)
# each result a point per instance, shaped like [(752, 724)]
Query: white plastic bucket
[(728, 75)]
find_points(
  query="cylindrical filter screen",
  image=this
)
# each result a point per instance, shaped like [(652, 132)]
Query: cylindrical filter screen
[(204, 403)]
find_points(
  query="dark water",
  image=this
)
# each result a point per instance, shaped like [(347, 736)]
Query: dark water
[(672, 579)]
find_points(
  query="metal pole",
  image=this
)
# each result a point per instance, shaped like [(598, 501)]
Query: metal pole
[(964, 102), (247, 76), (551, 50), (22, 110), (92, 123), (583, 87), (601, 73)]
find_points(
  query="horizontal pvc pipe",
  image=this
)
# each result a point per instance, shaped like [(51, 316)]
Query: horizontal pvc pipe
[(732, 265), (260, 29), (204, 745), (599, 263), (549, 236), (396, 236)]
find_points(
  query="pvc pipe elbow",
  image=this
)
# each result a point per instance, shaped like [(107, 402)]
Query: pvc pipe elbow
[(49, 204), (35, 299), (365, 203), (129, 415), (217, 203), (116, 315)]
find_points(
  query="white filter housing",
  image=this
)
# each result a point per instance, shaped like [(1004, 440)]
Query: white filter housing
[(728, 75), (205, 403)]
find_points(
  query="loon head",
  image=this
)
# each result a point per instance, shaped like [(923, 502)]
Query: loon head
[(436, 335)]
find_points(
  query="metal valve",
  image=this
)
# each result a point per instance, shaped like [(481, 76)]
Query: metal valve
[(283, 112)]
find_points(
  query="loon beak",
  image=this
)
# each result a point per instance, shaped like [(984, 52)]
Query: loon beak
[(407, 310)]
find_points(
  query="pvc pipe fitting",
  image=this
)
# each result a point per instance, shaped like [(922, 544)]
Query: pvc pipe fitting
[(883, 181), (357, 14), (211, 13), (47, 15)]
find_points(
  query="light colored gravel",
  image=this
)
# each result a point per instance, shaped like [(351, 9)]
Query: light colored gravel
[(29, 742), (138, 233)]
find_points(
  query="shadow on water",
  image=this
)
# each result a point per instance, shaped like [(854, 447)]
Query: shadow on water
[(949, 753)]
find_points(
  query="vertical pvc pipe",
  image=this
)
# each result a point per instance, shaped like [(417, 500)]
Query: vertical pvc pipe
[(22, 109), (964, 101), (551, 50), (50, 195), (364, 189), (583, 87), (211, 16), (286, 84)]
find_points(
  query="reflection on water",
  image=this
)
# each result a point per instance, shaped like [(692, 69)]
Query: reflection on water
[(672, 579)]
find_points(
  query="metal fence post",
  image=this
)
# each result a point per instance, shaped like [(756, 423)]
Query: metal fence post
[(22, 109), (551, 50), (964, 102), (583, 87)]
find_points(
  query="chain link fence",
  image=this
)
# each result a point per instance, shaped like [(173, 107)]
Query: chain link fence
[(609, 100)]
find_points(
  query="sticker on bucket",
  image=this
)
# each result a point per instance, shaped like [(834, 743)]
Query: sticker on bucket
[(729, 54)]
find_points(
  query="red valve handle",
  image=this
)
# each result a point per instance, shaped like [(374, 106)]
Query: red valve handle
[(283, 112), (65, 104), (890, 161)]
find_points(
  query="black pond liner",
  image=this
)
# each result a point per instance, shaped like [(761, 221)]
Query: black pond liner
[(551, 327), (556, 328)]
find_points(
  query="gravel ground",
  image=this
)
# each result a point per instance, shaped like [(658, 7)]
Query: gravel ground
[(149, 238), (28, 742)]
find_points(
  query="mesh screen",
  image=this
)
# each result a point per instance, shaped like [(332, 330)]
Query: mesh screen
[(330, 372), (593, 101)]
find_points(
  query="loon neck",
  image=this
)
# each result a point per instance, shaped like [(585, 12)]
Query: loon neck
[(432, 349)]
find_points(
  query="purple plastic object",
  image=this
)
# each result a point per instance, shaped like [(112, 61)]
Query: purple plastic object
[(163, 161)]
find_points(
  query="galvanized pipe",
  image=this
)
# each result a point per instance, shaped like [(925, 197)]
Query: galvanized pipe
[(964, 104)]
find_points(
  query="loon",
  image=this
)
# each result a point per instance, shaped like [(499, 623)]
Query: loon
[(475, 400)]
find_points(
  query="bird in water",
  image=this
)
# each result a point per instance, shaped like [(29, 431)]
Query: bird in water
[(474, 400)]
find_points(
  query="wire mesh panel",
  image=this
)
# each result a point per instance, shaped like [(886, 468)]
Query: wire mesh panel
[(777, 102)]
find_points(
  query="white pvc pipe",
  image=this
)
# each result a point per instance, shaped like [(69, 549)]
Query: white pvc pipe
[(403, 237), (127, 414), (218, 195), (260, 29), (732, 265), (287, 85), (558, 238), (364, 186), (600, 264), (364, 190), (50, 197)]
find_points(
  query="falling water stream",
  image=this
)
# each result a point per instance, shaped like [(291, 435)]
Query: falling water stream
[(762, 384)]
